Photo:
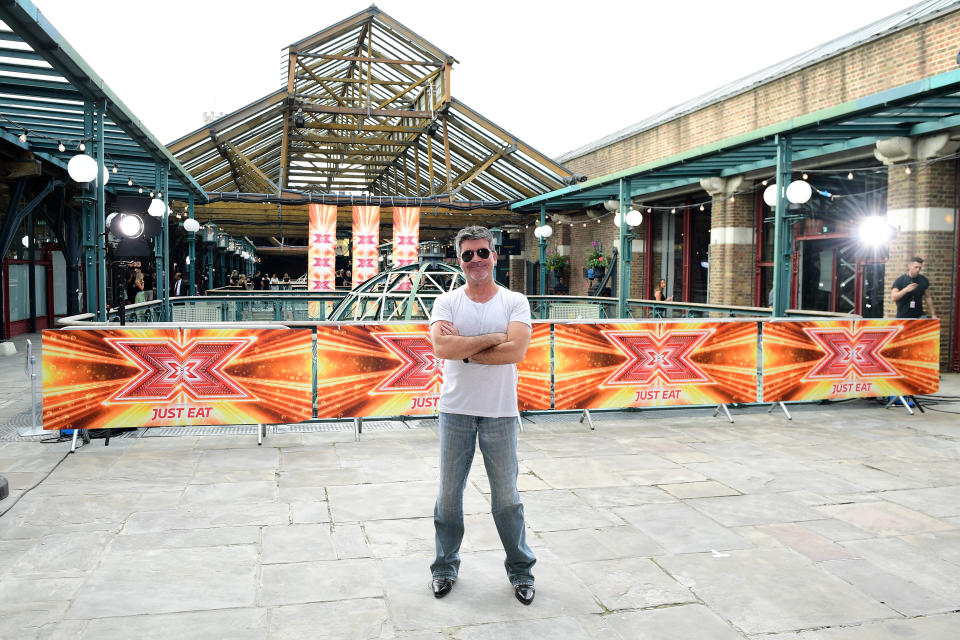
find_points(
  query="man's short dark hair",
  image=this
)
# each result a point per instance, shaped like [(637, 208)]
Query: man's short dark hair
[(474, 233), (917, 259)]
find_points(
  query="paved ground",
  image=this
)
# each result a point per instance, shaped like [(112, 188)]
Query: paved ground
[(842, 524)]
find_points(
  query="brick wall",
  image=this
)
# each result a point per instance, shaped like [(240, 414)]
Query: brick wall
[(917, 52), (932, 186)]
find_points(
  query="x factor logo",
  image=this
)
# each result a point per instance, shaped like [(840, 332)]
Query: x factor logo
[(658, 354), (851, 351), (420, 370), (168, 367)]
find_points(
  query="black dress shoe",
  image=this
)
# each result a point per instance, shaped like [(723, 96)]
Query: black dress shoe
[(524, 592), (441, 587)]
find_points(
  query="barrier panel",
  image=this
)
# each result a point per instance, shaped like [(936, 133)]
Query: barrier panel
[(120, 378), (646, 364), (110, 378), (832, 359), (390, 370)]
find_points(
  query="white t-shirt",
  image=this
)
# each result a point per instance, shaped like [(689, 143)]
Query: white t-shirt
[(488, 390)]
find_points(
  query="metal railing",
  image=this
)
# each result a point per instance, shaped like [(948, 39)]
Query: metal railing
[(225, 305)]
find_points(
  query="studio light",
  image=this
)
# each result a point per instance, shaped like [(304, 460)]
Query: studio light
[(131, 226), (875, 231)]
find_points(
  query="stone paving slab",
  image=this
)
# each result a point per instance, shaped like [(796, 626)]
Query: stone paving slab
[(841, 524)]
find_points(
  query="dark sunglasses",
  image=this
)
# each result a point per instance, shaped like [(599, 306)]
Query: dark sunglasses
[(467, 255)]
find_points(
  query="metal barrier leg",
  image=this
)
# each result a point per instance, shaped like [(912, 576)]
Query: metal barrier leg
[(520, 423), (84, 437), (723, 407), (903, 401), (261, 431), (586, 414), (782, 406), (357, 428)]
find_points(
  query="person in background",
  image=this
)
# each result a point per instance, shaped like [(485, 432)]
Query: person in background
[(179, 287), (660, 293), (139, 287), (285, 284), (274, 282), (911, 290)]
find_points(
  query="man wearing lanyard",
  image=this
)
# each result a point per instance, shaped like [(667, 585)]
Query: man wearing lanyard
[(911, 290)]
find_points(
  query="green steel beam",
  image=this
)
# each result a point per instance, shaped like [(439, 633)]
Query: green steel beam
[(781, 245)]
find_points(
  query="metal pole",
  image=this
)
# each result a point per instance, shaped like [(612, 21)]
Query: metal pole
[(781, 246), (164, 185), (626, 239), (100, 217), (191, 251), (543, 252), (89, 224)]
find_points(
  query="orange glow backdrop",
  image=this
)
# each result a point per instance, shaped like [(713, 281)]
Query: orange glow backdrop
[(646, 364), (816, 360), (116, 378), (390, 370)]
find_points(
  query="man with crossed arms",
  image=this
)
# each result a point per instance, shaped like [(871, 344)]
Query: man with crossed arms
[(482, 330)]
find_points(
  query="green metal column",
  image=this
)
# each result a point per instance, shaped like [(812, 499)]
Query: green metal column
[(100, 215), (191, 251), (625, 244), (164, 186), (210, 284), (543, 252), (89, 224), (781, 245)]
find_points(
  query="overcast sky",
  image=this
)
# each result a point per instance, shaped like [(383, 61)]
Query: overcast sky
[(555, 74)]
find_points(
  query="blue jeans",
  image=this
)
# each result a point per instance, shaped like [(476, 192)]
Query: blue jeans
[(498, 443)]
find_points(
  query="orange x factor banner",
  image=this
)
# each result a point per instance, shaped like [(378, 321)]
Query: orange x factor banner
[(818, 360), (391, 370), (114, 378), (366, 240), (406, 239), (647, 364), (321, 256)]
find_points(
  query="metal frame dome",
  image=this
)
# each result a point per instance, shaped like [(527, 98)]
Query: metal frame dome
[(404, 293)]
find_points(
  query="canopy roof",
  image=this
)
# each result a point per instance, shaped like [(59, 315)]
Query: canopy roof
[(365, 109), (927, 106), (44, 86)]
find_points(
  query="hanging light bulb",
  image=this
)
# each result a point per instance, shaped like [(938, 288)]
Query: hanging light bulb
[(23, 137), (151, 194), (673, 210), (140, 190), (649, 209), (764, 183), (129, 182), (702, 208), (805, 176), (850, 176), (82, 147), (732, 198), (114, 168), (908, 170), (60, 147)]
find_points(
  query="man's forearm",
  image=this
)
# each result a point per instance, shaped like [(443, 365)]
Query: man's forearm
[(451, 347), (509, 352)]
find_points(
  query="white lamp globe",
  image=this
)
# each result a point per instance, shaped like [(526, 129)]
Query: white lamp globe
[(799, 191), (131, 226), (617, 219), (634, 218), (157, 208), (106, 176), (82, 168), (191, 225), (546, 231), (537, 231), (770, 195)]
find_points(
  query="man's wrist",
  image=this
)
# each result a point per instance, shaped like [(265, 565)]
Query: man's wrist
[(467, 360)]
